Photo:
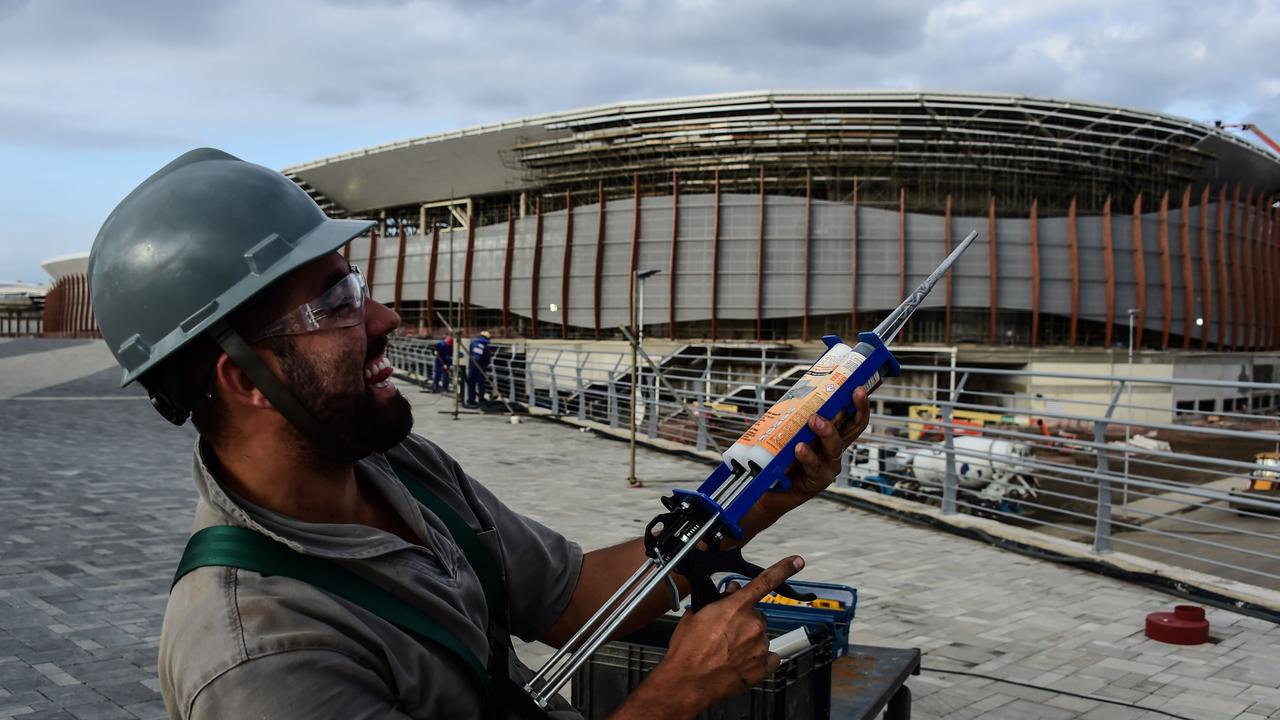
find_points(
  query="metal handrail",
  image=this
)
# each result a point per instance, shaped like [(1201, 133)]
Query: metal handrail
[(1113, 504)]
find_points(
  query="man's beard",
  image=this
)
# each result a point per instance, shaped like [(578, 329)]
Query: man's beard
[(356, 418)]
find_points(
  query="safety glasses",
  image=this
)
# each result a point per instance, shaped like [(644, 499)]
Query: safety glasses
[(338, 307)]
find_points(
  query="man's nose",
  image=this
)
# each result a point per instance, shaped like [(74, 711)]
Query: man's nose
[(380, 319)]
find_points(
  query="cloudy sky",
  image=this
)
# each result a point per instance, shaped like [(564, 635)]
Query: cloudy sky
[(94, 95)]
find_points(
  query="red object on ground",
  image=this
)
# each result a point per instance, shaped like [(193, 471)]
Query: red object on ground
[(1184, 626)]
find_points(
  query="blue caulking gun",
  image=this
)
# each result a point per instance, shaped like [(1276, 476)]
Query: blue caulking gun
[(688, 536)]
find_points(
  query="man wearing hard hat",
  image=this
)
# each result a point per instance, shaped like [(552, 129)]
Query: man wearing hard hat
[(341, 566)]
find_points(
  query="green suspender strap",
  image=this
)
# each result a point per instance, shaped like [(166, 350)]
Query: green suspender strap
[(481, 560), (243, 548)]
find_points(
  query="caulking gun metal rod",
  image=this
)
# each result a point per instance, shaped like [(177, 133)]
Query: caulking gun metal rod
[(591, 622), (888, 329), (579, 657)]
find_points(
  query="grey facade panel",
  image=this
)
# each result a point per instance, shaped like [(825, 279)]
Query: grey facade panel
[(830, 257)]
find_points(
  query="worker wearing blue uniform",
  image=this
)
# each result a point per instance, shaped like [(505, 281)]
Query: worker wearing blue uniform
[(443, 364), (478, 360)]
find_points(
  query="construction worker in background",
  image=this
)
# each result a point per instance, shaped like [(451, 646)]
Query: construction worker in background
[(340, 565), (443, 364), (478, 360)]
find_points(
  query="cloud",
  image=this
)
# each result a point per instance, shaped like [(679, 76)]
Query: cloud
[(288, 81)]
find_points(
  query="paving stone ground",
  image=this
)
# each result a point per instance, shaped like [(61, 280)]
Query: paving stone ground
[(96, 500)]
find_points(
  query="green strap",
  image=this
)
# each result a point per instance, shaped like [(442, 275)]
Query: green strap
[(243, 548), (482, 561)]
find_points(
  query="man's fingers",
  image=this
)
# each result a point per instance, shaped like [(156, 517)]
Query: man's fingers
[(732, 587), (771, 578), (827, 441), (772, 662)]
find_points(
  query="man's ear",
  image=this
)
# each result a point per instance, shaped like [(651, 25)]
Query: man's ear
[(235, 386)]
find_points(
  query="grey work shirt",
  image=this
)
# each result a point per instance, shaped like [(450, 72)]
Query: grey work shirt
[(236, 644)]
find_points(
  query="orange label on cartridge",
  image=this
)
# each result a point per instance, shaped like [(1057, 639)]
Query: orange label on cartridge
[(780, 423)]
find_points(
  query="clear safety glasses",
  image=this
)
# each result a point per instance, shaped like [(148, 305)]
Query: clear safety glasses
[(338, 307)]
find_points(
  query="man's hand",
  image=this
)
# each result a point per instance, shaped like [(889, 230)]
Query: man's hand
[(818, 463), (715, 653)]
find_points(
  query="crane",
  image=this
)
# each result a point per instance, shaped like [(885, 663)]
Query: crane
[(1251, 128)]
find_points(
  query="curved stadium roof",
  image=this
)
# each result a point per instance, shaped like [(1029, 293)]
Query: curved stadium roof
[(1009, 145)]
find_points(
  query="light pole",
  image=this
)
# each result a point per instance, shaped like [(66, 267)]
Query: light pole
[(1132, 313), (457, 379), (637, 325)]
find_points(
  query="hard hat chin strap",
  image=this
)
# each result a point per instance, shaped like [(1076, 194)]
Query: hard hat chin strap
[(275, 391)]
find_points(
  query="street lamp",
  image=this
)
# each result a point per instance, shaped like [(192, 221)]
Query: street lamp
[(637, 324), (1132, 313), (641, 276)]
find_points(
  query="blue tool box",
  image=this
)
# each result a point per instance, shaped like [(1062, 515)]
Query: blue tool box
[(834, 610)]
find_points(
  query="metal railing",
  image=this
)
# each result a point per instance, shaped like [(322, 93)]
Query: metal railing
[(1154, 467)]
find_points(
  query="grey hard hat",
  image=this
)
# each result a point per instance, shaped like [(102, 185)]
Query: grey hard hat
[(193, 242), (187, 247)]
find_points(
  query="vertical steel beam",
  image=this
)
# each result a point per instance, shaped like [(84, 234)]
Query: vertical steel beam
[(993, 281), (600, 221), (372, 265), (1235, 216), (1035, 268), (507, 260), (1206, 271), (946, 251), (432, 262), (1245, 256), (1139, 272), (399, 289), (537, 267), (1263, 289), (77, 299), (77, 284), (675, 253), (468, 260), (69, 308), (1166, 273), (635, 252), (73, 305), (1275, 270), (853, 264), (808, 253), (82, 308), (715, 259), (1188, 274), (1263, 269), (1109, 268), (1264, 277), (1224, 309), (760, 265), (1073, 254), (64, 316), (1262, 309), (1273, 266), (567, 268)]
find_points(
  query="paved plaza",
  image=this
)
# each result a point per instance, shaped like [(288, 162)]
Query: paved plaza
[(96, 500)]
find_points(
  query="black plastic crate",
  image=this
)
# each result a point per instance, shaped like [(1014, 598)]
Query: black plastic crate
[(799, 690)]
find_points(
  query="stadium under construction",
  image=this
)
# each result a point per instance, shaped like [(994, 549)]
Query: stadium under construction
[(777, 216)]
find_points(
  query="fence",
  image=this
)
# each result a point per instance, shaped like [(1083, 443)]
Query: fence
[(1110, 461), (22, 323)]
